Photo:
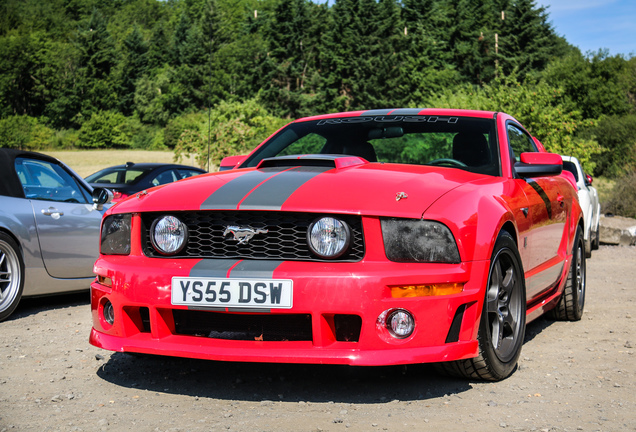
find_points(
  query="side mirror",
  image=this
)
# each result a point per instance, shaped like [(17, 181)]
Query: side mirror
[(101, 196), (539, 165), (231, 162)]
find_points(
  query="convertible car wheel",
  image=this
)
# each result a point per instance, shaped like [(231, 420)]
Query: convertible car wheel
[(503, 320), (570, 307), (11, 276)]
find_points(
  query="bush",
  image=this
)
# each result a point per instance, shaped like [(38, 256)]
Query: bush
[(24, 133), (105, 130), (622, 201)]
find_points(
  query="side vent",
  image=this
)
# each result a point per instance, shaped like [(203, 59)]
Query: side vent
[(453, 333)]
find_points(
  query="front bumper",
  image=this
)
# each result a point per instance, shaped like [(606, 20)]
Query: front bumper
[(139, 288)]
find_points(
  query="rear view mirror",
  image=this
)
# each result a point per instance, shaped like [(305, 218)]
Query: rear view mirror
[(539, 165)]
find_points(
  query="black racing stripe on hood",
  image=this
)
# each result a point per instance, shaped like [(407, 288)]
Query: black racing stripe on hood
[(272, 194), (230, 194), (216, 268), (260, 269)]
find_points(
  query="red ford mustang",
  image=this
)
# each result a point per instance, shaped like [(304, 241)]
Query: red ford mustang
[(377, 237)]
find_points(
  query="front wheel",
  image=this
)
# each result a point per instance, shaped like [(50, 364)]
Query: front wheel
[(570, 306), (11, 276), (503, 319)]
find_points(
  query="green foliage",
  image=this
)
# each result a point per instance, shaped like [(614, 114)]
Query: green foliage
[(622, 200), (104, 130), (596, 86), (69, 62), (235, 128), (24, 133), (175, 127), (617, 137)]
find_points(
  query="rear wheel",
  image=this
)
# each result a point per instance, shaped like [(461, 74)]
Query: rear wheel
[(503, 319), (596, 237), (11, 276), (570, 306)]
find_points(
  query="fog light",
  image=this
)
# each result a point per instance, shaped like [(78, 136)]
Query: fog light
[(109, 312), (399, 323)]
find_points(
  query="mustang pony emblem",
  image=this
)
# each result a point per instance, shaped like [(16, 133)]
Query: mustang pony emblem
[(243, 234)]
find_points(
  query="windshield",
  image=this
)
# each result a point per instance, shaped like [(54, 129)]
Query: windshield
[(460, 142)]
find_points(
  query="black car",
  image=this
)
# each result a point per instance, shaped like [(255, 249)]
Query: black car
[(128, 179)]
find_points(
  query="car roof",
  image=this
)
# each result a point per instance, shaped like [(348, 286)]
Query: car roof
[(146, 165), (9, 183), (404, 112)]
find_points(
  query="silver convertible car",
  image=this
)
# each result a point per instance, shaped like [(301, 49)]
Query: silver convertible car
[(49, 228)]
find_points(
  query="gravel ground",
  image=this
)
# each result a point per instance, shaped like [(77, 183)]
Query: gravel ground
[(572, 377)]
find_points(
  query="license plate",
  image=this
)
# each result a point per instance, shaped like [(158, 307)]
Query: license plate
[(246, 293)]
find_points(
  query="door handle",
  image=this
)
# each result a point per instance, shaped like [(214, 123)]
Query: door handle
[(52, 211)]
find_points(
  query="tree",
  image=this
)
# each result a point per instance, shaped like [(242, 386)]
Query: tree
[(291, 57), (97, 57), (426, 60), (135, 65), (527, 41), (235, 128)]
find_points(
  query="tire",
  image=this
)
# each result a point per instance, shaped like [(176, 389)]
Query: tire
[(596, 240), (571, 303), (588, 244), (11, 276), (503, 320)]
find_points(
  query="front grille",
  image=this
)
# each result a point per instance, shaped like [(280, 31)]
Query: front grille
[(286, 236), (252, 327)]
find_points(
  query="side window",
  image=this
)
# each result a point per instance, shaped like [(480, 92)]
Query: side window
[(519, 141), (185, 173), (47, 181), (569, 166), (164, 178)]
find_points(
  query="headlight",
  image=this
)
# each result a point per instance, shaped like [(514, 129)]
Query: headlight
[(116, 235), (328, 237), (168, 235), (414, 240)]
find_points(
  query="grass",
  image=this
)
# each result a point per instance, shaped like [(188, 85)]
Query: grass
[(604, 187), (86, 162)]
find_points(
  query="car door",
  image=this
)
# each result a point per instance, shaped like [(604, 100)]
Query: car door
[(547, 216), (66, 222)]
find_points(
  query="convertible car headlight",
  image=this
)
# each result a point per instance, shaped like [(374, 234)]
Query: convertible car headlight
[(115, 239), (168, 235), (328, 237), (415, 240)]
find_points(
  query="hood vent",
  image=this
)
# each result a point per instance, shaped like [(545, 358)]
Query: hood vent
[(312, 160)]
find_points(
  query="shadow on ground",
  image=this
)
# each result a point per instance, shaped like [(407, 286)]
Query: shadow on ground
[(278, 382), (286, 382)]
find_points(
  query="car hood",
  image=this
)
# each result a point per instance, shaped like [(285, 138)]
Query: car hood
[(392, 190)]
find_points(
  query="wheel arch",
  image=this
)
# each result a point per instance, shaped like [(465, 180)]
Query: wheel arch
[(15, 238)]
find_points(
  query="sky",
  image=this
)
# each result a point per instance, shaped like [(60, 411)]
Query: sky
[(594, 24)]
